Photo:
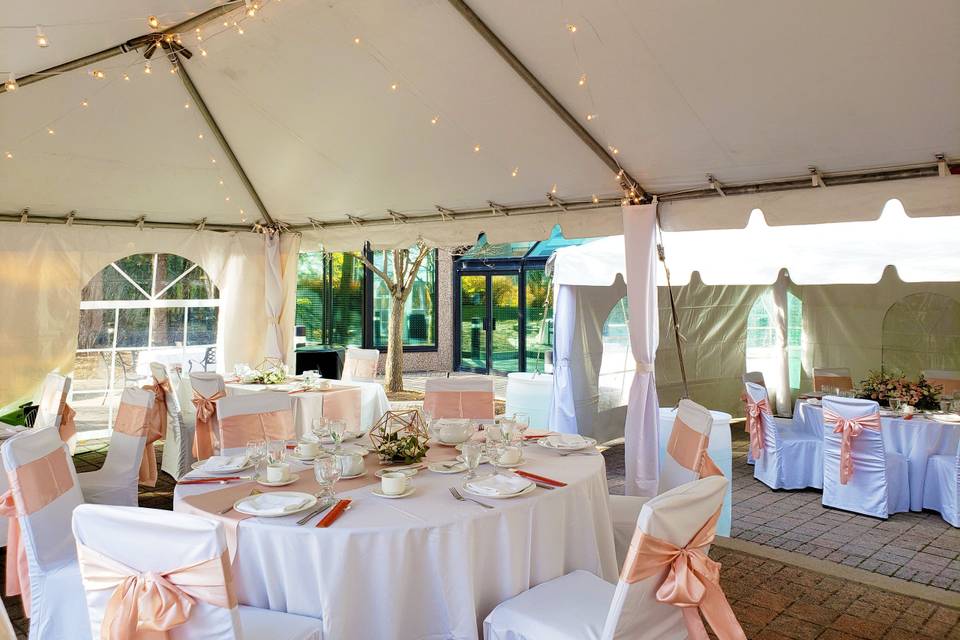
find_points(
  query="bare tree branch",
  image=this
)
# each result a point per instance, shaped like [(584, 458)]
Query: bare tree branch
[(424, 251), (391, 286)]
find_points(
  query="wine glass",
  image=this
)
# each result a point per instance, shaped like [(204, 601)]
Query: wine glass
[(472, 451), (256, 452), (276, 451), (337, 428), (326, 469), (522, 422), (319, 427)]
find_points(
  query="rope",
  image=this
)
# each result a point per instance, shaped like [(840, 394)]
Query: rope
[(678, 337)]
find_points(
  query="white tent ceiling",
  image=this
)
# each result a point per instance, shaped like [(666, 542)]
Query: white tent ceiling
[(746, 91)]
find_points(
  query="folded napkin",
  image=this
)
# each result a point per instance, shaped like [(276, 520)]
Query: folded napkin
[(498, 485), (216, 464), (10, 430), (272, 504), (567, 441)]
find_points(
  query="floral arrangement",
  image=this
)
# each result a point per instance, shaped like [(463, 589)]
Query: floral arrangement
[(886, 385), (400, 436), (270, 371)]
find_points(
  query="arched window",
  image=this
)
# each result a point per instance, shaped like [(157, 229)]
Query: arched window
[(922, 331), (762, 336), (142, 308)]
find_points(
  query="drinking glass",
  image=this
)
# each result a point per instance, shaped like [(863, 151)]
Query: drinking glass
[(256, 452), (337, 429), (471, 457), (319, 427), (522, 421), (276, 451), (240, 369), (895, 404), (326, 469)]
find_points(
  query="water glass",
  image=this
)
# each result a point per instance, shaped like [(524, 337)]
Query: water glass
[(522, 421), (319, 427), (240, 369), (895, 403), (472, 451), (336, 428), (257, 453), (326, 470), (276, 451)]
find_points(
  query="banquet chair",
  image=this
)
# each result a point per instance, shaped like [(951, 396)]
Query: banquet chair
[(839, 378), (784, 458), (43, 496), (686, 460), (580, 605), (949, 380), (941, 486), (116, 481), (189, 554), (459, 397), (178, 440), (207, 389), (360, 365), (756, 377), (859, 475), (53, 410), (267, 415)]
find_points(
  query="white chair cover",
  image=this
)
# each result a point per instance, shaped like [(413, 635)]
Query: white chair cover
[(179, 439), (756, 377), (207, 385), (53, 396), (149, 540), (116, 481), (879, 485), (249, 405), (580, 605), (791, 459), (838, 377), (949, 380), (360, 364), (941, 486), (58, 609)]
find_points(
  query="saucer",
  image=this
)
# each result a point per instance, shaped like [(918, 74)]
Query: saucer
[(456, 467), (406, 493), (297, 456), (484, 459), (358, 475), (290, 480), (513, 465), (408, 472)]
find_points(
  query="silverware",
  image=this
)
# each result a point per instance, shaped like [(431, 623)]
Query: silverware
[(578, 453), (543, 485), (456, 494), (326, 505), (406, 467), (230, 508)]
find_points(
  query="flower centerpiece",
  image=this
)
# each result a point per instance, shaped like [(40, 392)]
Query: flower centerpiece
[(270, 371), (400, 436), (884, 385)]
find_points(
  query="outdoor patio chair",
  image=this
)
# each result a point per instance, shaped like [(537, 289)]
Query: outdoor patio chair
[(209, 360)]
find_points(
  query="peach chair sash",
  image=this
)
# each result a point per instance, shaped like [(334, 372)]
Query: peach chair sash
[(33, 486), (755, 411), (236, 431), (361, 369), (689, 448), (460, 404), (156, 429), (692, 581), (204, 439), (849, 428), (144, 606)]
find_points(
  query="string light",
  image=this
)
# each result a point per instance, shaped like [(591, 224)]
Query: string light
[(186, 105), (239, 30), (153, 22), (50, 131), (146, 68), (199, 35), (173, 69), (221, 182), (596, 200), (98, 74), (515, 171), (583, 80), (251, 8), (476, 148), (356, 40), (126, 77), (203, 52), (614, 151), (200, 136), (9, 155), (553, 189), (226, 24), (243, 217), (227, 199), (213, 161), (84, 103), (434, 119), (394, 86), (42, 41), (591, 116), (11, 83), (572, 28)]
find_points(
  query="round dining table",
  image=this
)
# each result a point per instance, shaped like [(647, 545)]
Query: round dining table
[(916, 440), (426, 566)]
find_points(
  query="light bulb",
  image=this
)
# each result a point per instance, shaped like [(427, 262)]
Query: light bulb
[(572, 28), (126, 77), (251, 8), (221, 182), (9, 155), (173, 69), (591, 116), (356, 40), (434, 119), (153, 22), (50, 131), (615, 151), (146, 68), (42, 41), (11, 83), (200, 136), (394, 86), (553, 189), (476, 148), (226, 24), (84, 103), (240, 30), (203, 52), (98, 74), (515, 171), (596, 200), (213, 161), (227, 199), (583, 79), (186, 105)]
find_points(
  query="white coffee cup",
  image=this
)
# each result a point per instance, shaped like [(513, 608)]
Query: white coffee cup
[(351, 464), (307, 449), (278, 472), (510, 455), (907, 409), (394, 483)]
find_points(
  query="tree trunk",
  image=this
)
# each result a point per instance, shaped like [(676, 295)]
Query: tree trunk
[(393, 371)]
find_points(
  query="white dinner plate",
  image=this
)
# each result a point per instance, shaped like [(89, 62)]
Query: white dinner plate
[(522, 492), (588, 442), (311, 500), (456, 467), (406, 493), (293, 477), (199, 465)]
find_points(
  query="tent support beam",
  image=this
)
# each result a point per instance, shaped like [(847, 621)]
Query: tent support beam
[(534, 83), (103, 222), (218, 134)]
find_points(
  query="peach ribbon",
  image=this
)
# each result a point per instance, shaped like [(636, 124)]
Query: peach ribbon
[(755, 411), (692, 581), (343, 403), (204, 439), (156, 430), (33, 486), (849, 428), (460, 404), (236, 431), (689, 448), (145, 605)]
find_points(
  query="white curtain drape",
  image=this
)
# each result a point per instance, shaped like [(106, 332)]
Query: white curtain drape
[(43, 269), (641, 429), (273, 296)]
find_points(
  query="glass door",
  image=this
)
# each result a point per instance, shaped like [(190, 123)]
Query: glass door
[(490, 322), (505, 323), (473, 322)]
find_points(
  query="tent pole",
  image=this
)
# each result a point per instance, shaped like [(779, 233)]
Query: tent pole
[(534, 83), (28, 218), (218, 134)]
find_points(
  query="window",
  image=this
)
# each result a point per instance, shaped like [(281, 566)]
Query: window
[(145, 307), (922, 331), (762, 336), (539, 320), (420, 322)]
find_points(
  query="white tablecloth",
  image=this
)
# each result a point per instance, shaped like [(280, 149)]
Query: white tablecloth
[(426, 566), (915, 439), (307, 405)]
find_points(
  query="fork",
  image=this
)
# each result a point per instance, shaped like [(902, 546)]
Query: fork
[(456, 494), (564, 454), (230, 508), (326, 505)]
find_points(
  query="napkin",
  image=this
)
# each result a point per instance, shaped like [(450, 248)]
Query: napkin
[(9, 430), (219, 464), (498, 485), (271, 504), (567, 441)]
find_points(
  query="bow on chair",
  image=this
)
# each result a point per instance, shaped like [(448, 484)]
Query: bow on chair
[(204, 440), (692, 581), (144, 606), (755, 411), (849, 428)]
